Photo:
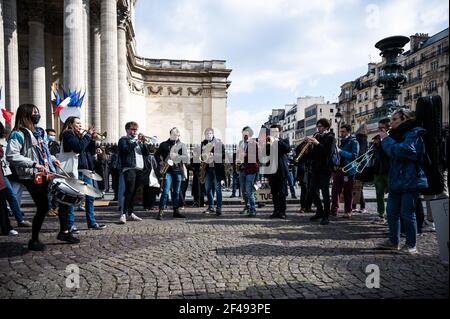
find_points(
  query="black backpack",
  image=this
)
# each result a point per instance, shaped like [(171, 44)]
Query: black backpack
[(429, 117)]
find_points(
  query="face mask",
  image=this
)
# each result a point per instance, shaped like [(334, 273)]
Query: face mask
[(52, 138), (35, 118)]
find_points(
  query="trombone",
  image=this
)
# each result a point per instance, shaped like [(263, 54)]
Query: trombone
[(361, 162)]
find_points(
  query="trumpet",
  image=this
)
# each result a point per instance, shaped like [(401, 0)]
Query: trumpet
[(149, 139), (97, 136), (361, 162)]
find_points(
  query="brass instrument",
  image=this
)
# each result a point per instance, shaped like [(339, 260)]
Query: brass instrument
[(98, 137), (148, 140), (205, 159), (167, 164), (361, 161), (305, 149)]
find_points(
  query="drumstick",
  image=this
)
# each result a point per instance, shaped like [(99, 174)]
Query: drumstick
[(68, 176)]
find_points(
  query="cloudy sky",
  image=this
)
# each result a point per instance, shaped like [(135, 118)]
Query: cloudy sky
[(280, 49)]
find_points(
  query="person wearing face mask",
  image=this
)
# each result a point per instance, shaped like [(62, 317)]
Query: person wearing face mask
[(215, 170), (248, 166), (406, 151), (348, 151), (27, 153), (172, 149), (53, 144), (132, 152)]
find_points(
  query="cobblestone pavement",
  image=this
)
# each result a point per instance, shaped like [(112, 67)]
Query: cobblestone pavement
[(230, 256)]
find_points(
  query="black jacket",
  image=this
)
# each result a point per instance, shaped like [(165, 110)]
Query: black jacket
[(84, 146), (219, 168), (283, 163), (163, 154), (320, 154), (126, 152)]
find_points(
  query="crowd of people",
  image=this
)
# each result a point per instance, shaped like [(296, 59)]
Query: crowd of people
[(165, 171)]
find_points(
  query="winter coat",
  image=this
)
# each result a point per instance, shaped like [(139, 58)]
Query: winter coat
[(349, 151)]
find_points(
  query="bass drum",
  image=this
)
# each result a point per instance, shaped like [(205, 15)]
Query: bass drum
[(65, 194)]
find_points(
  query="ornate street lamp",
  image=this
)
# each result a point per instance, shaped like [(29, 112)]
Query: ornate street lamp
[(391, 75)]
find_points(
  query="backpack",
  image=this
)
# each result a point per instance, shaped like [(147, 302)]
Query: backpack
[(334, 160), (429, 117)]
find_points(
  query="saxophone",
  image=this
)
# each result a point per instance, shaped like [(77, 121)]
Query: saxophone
[(205, 160)]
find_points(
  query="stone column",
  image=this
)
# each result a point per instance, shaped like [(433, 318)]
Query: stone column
[(74, 53), (11, 55), (36, 42), (2, 63), (122, 71), (109, 72), (86, 110), (95, 70)]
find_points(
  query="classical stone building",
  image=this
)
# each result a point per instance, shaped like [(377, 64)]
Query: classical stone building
[(90, 46), (426, 66)]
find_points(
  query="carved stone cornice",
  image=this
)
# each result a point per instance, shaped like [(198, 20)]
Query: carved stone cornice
[(197, 92), (177, 91), (157, 91), (123, 17)]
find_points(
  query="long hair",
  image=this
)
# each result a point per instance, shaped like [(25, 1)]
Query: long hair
[(68, 126), (23, 117)]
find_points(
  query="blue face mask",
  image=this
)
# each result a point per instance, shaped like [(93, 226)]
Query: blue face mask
[(51, 138)]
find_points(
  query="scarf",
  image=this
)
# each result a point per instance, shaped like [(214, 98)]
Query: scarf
[(398, 133)]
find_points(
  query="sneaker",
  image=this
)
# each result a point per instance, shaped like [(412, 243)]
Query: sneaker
[(123, 219), (160, 215), (363, 211), (36, 245), (210, 210), (429, 225), (135, 218), (13, 232), (301, 211), (232, 196), (409, 250), (282, 216), (347, 215), (244, 212), (324, 221), (74, 230), (251, 214), (388, 245), (24, 224), (68, 237), (218, 211), (97, 227)]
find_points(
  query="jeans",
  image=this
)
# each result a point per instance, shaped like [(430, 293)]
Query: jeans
[(235, 184), (320, 181), (18, 188), (10, 197), (175, 178), (381, 188), (342, 182), (121, 191), (89, 205), (212, 185), (402, 205), (291, 183), (247, 181)]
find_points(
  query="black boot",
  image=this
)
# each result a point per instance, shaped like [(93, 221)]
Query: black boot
[(177, 214), (316, 217)]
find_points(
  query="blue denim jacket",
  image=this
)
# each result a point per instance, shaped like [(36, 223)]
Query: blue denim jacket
[(349, 152), (406, 173)]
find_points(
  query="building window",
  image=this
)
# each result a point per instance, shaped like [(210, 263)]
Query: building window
[(419, 73), (331, 110), (360, 109), (434, 65), (432, 86)]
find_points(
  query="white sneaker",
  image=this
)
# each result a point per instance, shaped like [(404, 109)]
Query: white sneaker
[(123, 219), (409, 250), (13, 232), (430, 225), (135, 218)]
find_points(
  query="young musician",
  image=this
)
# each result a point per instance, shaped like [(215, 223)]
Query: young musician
[(172, 150), (27, 154), (132, 152), (321, 171), (278, 180), (215, 170)]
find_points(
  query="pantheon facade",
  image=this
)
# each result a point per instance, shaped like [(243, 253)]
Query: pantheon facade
[(90, 46)]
